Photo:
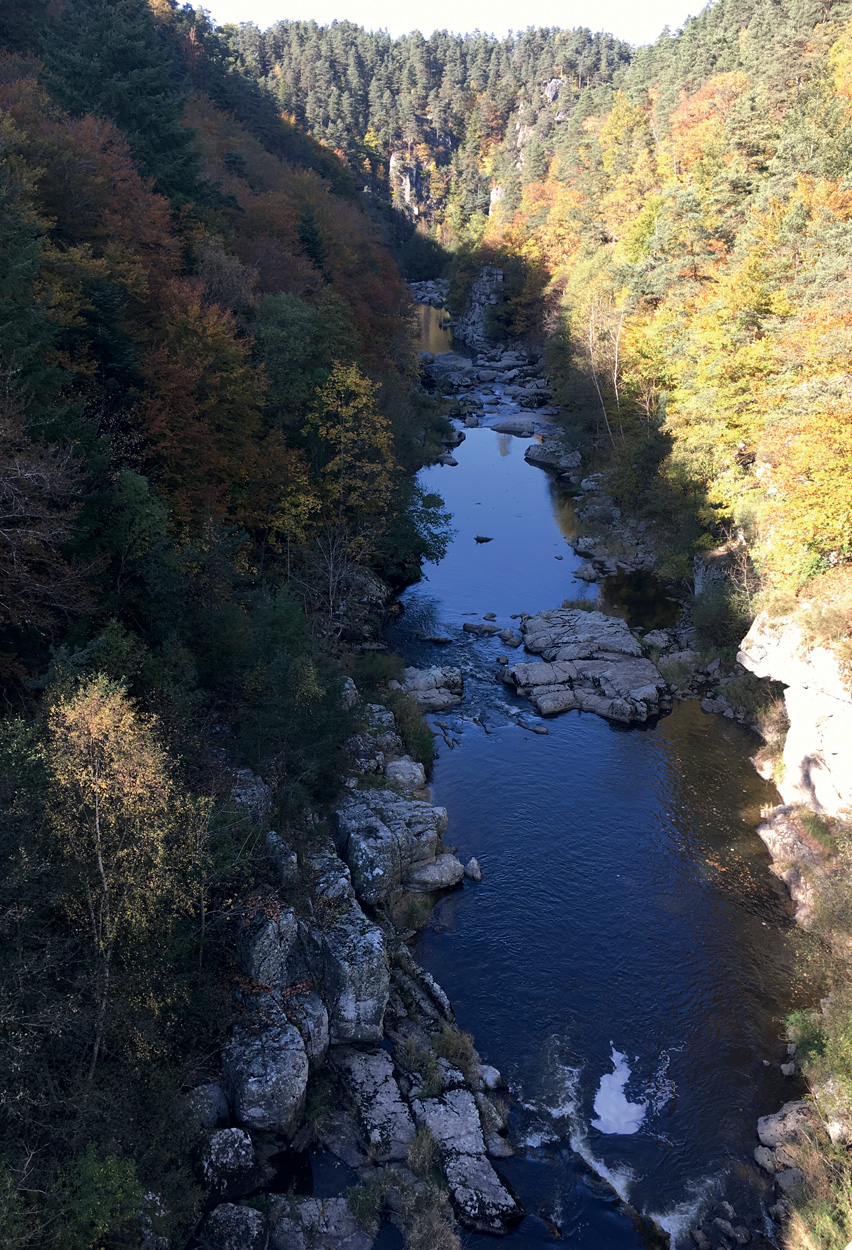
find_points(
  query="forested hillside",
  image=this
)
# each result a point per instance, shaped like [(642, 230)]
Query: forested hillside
[(676, 224), (207, 442)]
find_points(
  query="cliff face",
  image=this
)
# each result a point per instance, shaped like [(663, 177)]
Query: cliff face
[(818, 749)]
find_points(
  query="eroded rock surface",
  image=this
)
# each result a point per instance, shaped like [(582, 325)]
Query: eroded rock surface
[(817, 768), (383, 1117), (300, 1223), (382, 836), (591, 662), (480, 1198), (795, 859), (230, 1227), (265, 1068)]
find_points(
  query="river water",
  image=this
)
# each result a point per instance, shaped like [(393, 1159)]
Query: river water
[(627, 960)]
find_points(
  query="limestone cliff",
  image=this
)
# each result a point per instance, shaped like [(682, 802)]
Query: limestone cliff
[(817, 760)]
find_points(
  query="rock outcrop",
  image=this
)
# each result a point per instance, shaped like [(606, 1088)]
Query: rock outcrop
[(300, 1223), (592, 663), (265, 1069), (383, 1118), (818, 748), (486, 291), (481, 1200), (231, 1227), (795, 859), (385, 839)]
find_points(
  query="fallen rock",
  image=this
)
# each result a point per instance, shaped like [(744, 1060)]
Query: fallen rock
[(434, 689), (441, 873), (786, 1126), (789, 1179), (483, 628), (228, 1163), (383, 1117), (229, 1227), (265, 1069), (407, 773), (765, 1158)]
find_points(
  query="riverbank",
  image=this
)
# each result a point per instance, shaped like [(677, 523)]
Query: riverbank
[(484, 404)]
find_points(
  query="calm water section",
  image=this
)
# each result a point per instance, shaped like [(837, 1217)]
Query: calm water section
[(627, 915)]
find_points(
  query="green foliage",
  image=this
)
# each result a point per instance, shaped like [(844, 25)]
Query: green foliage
[(452, 1044), (101, 1195), (89, 41), (413, 727), (721, 616)]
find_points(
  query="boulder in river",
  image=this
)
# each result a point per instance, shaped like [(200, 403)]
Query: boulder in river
[(521, 427), (434, 689), (592, 663), (550, 454)]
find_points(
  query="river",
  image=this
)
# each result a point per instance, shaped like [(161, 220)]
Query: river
[(627, 960)]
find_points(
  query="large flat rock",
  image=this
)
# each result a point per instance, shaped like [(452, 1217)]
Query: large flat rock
[(592, 663)]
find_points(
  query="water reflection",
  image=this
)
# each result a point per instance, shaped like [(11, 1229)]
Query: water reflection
[(626, 902), (435, 337)]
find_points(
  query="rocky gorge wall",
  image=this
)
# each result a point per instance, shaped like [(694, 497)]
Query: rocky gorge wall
[(817, 759)]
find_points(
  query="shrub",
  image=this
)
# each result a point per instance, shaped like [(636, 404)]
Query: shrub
[(721, 616), (457, 1047), (421, 1152), (415, 732), (372, 671)]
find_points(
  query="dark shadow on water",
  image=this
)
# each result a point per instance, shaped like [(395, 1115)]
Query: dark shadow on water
[(642, 599)]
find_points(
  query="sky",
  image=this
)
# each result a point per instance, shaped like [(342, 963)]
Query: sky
[(636, 21)]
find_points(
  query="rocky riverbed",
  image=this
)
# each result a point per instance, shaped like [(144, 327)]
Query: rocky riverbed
[(342, 1040)]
